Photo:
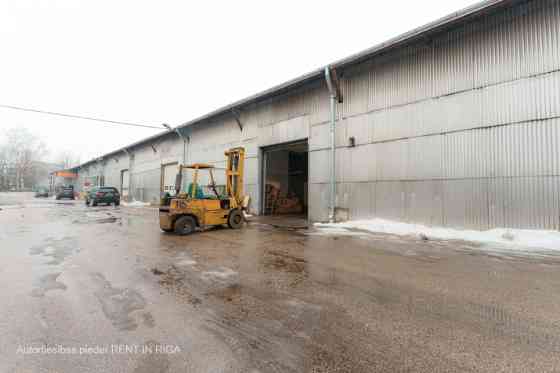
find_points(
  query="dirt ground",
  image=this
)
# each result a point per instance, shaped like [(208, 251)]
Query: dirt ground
[(107, 291)]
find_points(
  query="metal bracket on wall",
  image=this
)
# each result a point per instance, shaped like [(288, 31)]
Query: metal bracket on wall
[(186, 138), (237, 115)]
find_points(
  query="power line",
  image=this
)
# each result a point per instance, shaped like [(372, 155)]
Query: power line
[(76, 116)]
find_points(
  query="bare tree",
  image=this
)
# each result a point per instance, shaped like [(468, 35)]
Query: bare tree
[(21, 151)]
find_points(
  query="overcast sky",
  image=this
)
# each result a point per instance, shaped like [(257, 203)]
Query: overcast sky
[(170, 61)]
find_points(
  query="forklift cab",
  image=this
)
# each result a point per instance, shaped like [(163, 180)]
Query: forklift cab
[(191, 178), (188, 176)]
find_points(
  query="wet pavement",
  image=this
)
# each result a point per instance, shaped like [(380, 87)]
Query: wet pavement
[(106, 291)]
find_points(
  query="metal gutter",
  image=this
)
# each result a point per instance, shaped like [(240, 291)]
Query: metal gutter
[(435, 27)]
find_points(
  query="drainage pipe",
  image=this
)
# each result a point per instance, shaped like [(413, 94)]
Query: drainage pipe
[(184, 144), (332, 93)]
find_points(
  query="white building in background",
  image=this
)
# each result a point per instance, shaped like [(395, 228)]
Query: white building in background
[(452, 124)]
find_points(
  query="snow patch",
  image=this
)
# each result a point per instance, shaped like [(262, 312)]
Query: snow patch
[(223, 274), (11, 207), (520, 238), (331, 229), (186, 262), (135, 204)]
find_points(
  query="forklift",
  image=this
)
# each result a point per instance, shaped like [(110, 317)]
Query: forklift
[(192, 209)]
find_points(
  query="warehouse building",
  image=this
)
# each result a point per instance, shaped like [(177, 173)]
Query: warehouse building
[(452, 124)]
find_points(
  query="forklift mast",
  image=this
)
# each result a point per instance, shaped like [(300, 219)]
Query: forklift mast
[(234, 173)]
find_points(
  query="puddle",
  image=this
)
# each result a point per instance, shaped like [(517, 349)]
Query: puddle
[(118, 304), (148, 320), (229, 293), (98, 217), (284, 262), (47, 283), (174, 280), (56, 249)]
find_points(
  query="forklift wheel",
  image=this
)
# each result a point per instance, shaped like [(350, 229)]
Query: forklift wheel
[(235, 219), (185, 225)]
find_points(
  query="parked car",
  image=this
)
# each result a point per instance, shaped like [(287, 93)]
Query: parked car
[(89, 193), (107, 195), (65, 192), (41, 192)]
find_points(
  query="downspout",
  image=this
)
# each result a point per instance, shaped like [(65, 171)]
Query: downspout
[(332, 93), (130, 195), (184, 145), (101, 172)]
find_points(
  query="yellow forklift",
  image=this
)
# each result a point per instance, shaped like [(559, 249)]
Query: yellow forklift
[(193, 208)]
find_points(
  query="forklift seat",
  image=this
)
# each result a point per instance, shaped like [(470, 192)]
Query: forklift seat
[(198, 194)]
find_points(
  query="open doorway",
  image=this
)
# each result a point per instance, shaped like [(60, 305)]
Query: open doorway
[(285, 176)]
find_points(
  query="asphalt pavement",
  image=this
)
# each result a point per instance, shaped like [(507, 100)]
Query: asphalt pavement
[(102, 289)]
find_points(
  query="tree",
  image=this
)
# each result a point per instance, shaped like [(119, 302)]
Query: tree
[(21, 151)]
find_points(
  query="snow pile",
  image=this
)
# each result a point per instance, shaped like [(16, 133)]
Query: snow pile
[(135, 204), (506, 237)]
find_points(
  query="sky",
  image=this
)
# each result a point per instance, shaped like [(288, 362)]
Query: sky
[(169, 61)]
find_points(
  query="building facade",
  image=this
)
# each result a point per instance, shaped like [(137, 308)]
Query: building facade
[(454, 124)]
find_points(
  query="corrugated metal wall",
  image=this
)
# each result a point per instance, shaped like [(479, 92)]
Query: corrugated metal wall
[(460, 130)]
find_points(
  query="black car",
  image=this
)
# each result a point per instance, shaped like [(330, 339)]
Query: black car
[(65, 192), (108, 195)]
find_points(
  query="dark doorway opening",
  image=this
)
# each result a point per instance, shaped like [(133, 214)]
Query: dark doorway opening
[(285, 177)]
